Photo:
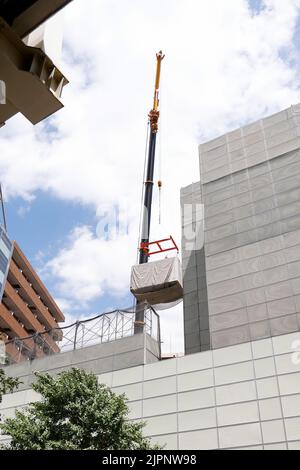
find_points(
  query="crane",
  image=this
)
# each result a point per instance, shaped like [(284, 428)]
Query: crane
[(145, 244), (149, 183)]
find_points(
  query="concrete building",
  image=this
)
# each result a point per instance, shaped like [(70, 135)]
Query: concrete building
[(30, 82), (24, 16), (242, 270), (27, 308), (238, 386)]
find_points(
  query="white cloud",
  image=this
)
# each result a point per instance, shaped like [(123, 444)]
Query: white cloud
[(89, 266), (171, 321), (23, 211), (223, 67)]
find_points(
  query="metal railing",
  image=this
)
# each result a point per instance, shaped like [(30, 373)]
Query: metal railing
[(103, 328)]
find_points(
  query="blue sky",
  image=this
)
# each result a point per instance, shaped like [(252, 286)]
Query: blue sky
[(227, 63), (256, 5), (57, 218), (41, 228)]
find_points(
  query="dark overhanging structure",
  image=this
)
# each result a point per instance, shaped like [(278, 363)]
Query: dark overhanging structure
[(26, 15), (27, 68)]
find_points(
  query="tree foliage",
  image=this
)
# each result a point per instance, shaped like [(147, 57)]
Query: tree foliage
[(76, 412), (7, 384)]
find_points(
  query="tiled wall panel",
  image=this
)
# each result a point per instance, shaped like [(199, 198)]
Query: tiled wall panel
[(241, 397)]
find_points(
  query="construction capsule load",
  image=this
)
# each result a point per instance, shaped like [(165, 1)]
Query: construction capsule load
[(159, 281)]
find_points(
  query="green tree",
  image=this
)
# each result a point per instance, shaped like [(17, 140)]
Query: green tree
[(76, 412), (7, 384)]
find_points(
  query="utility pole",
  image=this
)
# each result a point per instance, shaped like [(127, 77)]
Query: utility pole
[(148, 194)]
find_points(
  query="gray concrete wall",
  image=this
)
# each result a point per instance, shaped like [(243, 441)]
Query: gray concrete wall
[(101, 358), (251, 145), (250, 189), (196, 317)]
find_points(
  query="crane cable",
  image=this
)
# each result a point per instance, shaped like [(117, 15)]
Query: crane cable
[(160, 162), (159, 201), (159, 183)]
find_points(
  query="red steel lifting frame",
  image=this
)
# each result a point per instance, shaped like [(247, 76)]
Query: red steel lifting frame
[(145, 246)]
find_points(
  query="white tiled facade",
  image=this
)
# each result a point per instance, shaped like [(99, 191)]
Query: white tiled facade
[(241, 397)]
